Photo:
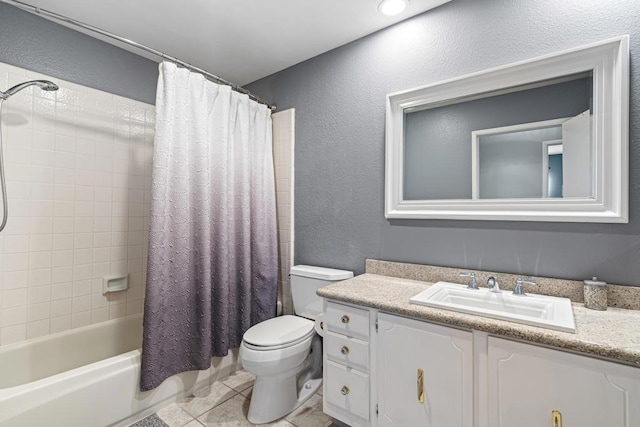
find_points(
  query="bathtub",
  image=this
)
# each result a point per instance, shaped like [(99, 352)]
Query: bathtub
[(88, 377)]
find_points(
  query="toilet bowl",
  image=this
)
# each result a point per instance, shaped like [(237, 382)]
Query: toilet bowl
[(277, 363), (285, 353)]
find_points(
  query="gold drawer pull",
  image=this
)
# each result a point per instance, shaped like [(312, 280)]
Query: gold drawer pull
[(344, 390), (345, 319), (344, 350), (420, 386), (556, 418)]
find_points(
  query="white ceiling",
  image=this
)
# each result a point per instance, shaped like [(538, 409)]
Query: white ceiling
[(239, 40)]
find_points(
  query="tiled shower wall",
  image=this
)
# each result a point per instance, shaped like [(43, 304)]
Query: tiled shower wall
[(283, 154), (78, 169)]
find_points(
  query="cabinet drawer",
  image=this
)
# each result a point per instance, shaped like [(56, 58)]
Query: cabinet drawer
[(347, 351), (347, 389), (350, 321)]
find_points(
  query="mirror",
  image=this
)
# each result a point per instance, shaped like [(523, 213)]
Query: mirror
[(541, 140)]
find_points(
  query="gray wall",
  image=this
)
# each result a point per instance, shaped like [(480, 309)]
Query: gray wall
[(512, 170), (31, 42), (437, 159), (340, 106), (510, 165)]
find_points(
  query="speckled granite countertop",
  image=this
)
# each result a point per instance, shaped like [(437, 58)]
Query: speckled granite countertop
[(613, 334)]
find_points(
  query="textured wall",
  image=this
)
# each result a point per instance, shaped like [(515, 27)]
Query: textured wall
[(340, 106), (36, 44)]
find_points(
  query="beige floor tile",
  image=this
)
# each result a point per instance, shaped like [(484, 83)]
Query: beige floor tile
[(203, 400), (194, 423), (310, 414), (174, 415), (233, 413), (247, 393), (240, 380)]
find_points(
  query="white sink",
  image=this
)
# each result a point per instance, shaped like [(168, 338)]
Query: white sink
[(536, 310)]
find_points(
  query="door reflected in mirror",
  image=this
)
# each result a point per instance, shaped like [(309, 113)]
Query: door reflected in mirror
[(529, 142), (549, 159)]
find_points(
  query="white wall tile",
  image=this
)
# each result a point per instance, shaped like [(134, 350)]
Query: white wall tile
[(38, 311), (83, 224), (13, 334), (15, 261), (62, 241), (82, 272), (14, 298), (100, 315), (61, 291), (82, 287), (102, 254), (40, 242), (61, 274), (61, 307), (38, 260), (38, 329), (79, 189), (59, 324), (17, 243), (83, 256), (14, 316), (81, 319), (38, 294), (62, 225)]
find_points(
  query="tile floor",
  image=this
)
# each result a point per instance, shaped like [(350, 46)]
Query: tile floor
[(226, 403)]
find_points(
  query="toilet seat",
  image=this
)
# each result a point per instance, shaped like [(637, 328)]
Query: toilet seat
[(278, 332)]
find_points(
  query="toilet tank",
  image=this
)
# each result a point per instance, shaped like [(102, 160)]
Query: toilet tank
[(305, 280)]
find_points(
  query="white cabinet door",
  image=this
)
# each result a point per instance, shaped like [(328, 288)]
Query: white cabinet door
[(445, 356), (527, 383)]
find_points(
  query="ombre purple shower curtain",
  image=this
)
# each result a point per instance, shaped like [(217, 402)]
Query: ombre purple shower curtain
[(212, 270)]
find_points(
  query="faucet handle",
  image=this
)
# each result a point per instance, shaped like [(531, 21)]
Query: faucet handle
[(492, 284), (473, 284), (519, 282)]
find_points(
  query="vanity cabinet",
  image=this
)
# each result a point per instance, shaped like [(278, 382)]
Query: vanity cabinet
[(527, 383), (388, 370), (424, 374)]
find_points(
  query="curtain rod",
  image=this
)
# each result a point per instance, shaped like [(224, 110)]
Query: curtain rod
[(39, 11)]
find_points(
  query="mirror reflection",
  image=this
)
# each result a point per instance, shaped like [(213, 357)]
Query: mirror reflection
[(533, 141)]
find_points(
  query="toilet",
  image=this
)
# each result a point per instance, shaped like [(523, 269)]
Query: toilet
[(285, 353)]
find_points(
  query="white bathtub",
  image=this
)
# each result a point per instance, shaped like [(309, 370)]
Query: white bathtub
[(88, 377)]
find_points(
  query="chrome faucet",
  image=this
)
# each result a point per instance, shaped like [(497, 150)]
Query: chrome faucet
[(472, 282), (492, 284), (518, 289)]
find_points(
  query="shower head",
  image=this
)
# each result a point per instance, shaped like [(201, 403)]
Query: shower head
[(42, 84)]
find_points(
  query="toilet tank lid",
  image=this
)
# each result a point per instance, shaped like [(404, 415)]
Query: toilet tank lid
[(320, 272)]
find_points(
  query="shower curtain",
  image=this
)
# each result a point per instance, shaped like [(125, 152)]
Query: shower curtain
[(212, 270)]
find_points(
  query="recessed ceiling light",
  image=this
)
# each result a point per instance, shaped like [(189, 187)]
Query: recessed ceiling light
[(392, 7)]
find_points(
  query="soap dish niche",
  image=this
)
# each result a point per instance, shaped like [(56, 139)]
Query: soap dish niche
[(112, 284)]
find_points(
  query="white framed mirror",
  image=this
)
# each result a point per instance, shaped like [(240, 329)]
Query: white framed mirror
[(545, 139)]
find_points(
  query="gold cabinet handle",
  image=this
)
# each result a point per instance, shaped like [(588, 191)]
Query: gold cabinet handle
[(345, 319), (556, 418), (344, 390), (420, 386), (344, 350)]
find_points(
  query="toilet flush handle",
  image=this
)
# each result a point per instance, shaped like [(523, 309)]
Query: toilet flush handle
[(345, 319)]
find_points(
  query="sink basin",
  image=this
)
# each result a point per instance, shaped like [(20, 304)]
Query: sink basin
[(535, 310)]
